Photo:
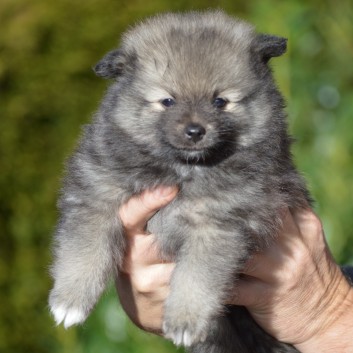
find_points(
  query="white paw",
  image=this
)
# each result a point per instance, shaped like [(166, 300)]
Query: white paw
[(183, 337), (70, 316)]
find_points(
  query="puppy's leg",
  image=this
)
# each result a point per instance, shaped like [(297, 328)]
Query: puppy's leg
[(88, 247), (201, 283)]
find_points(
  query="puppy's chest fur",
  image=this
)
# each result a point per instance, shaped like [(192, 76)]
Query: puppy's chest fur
[(219, 204)]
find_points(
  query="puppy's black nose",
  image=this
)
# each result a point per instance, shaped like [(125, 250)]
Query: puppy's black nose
[(195, 132)]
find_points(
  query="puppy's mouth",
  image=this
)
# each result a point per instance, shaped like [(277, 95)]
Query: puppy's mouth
[(188, 156), (206, 154)]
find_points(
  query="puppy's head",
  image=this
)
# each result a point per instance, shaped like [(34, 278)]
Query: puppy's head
[(193, 86)]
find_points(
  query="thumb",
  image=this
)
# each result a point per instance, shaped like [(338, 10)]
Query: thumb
[(135, 213)]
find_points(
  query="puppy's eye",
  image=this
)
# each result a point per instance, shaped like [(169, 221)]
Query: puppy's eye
[(168, 102), (219, 103)]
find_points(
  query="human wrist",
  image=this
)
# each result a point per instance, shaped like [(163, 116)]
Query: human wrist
[(335, 334)]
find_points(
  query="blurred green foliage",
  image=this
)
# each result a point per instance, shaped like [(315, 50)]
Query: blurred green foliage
[(47, 90)]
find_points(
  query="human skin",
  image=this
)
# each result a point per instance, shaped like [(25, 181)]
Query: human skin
[(293, 289)]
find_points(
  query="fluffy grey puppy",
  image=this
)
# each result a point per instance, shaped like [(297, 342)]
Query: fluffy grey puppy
[(193, 104)]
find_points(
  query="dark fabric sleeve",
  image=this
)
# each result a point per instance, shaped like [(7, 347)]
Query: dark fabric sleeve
[(348, 272)]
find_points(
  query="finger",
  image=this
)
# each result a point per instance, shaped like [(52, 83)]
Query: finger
[(289, 226), (308, 224), (248, 292), (140, 208), (266, 264), (143, 293), (142, 251), (152, 279)]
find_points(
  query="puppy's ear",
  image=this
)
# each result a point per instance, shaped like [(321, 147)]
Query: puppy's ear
[(268, 46), (111, 65)]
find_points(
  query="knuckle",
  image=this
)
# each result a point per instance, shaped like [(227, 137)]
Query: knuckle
[(124, 217), (144, 284), (315, 227), (314, 220)]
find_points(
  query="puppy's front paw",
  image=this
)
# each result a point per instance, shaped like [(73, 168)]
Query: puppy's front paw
[(69, 316), (184, 333)]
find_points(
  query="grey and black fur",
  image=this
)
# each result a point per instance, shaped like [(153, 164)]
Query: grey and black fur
[(193, 103)]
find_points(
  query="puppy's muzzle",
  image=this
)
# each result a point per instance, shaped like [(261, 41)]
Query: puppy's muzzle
[(194, 132)]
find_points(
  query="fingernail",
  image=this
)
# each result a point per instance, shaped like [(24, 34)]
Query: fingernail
[(163, 191)]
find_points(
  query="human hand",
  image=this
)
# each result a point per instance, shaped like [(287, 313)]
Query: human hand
[(295, 290), (143, 282)]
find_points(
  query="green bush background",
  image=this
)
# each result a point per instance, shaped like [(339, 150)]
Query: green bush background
[(47, 90)]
